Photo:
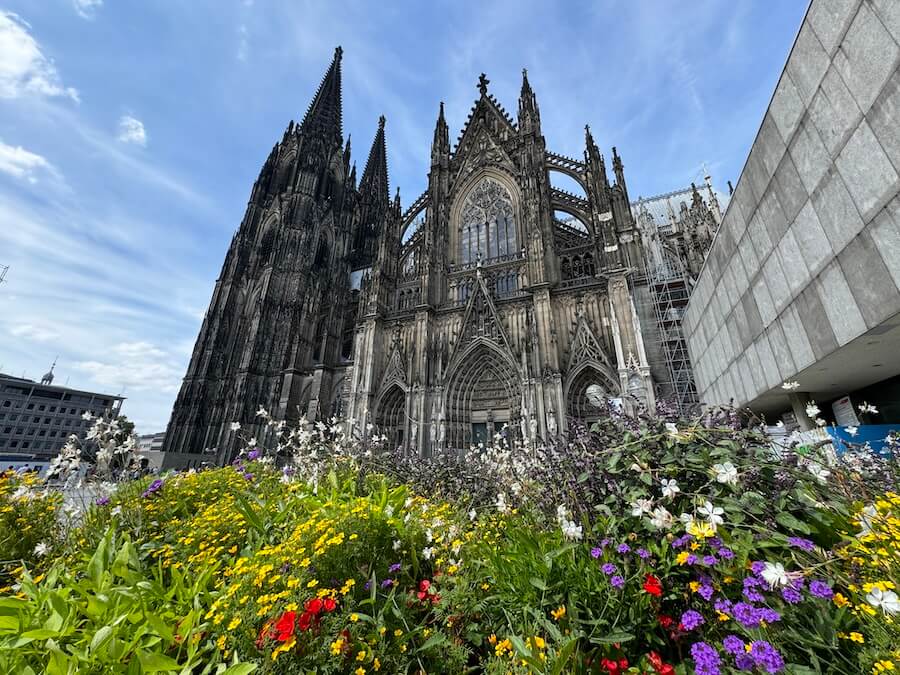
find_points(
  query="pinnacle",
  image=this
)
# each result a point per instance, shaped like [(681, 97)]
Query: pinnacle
[(324, 113), (375, 175)]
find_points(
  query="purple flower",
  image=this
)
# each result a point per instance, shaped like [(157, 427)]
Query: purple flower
[(394, 568), (706, 659), (596, 551), (722, 605), (608, 568), (768, 615), (643, 553), (623, 548), (752, 595), (103, 501), (791, 595), (604, 543), (154, 487), (692, 619), (766, 656), (733, 645), (726, 554), (801, 543), (744, 661), (681, 541), (746, 615), (254, 454), (617, 582), (691, 559), (248, 475), (758, 567), (387, 583), (709, 560), (820, 589), (705, 591)]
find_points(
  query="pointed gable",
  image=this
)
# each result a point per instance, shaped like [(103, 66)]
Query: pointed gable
[(481, 320)]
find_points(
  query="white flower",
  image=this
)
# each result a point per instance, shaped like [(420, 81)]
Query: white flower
[(561, 512), (672, 429), (662, 519), (21, 492), (852, 431), (429, 536), (670, 488), (262, 412), (235, 426), (887, 601), (868, 408), (812, 410), (821, 422), (790, 385), (819, 472), (641, 506), (388, 511), (86, 415), (397, 544), (472, 514), (686, 518), (501, 503), (117, 510), (713, 514), (726, 473), (41, 550), (427, 552), (775, 575), (570, 530)]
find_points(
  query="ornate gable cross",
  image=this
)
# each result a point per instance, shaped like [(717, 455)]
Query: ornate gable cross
[(483, 82)]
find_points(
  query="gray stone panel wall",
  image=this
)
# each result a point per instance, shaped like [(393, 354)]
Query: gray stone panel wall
[(808, 254)]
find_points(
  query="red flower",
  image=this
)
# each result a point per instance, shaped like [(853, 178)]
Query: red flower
[(615, 667), (658, 665), (313, 605), (264, 632), (284, 627), (330, 604), (653, 586), (666, 621), (305, 620)]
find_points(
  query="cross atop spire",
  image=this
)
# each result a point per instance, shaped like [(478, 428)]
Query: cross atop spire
[(324, 113), (483, 82), (526, 86), (374, 180)]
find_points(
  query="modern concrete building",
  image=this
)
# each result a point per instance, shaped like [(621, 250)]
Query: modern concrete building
[(801, 282), (37, 417)]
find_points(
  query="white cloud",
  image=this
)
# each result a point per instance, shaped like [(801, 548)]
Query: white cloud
[(31, 332), (24, 68), (141, 366), (131, 130), (87, 8), (21, 163)]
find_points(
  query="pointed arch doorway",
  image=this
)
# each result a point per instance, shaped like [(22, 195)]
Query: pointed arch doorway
[(390, 416), (482, 396)]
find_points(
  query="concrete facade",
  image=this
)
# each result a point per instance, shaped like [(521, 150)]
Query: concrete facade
[(803, 279)]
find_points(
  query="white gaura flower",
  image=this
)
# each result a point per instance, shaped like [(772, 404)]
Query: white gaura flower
[(886, 601), (641, 506), (672, 429), (388, 511), (686, 518), (235, 426), (852, 431), (252, 442), (866, 518), (819, 472), (868, 408), (790, 385), (262, 412), (472, 514), (775, 575), (397, 544), (86, 415), (21, 492), (427, 552), (501, 503), (713, 514), (670, 488), (726, 473), (662, 519), (41, 550), (812, 410), (570, 530)]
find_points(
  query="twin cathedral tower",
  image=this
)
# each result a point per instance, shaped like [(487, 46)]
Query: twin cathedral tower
[(493, 300)]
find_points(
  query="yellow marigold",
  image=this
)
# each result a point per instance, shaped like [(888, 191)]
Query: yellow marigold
[(354, 617), (682, 557), (398, 632), (559, 612), (361, 656), (882, 666), (337, 646), (376, 664), (234, 623), (840, 600), (359, 671), (312, 583)]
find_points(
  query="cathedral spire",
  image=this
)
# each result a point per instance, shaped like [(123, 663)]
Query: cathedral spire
[(529, 114), (374, 182), (440, 146), (324, 113), (620, 174)]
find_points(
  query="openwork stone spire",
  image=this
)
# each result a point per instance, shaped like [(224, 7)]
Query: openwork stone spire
[(324, 113), (374, 183)]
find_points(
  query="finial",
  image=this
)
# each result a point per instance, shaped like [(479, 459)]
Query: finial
[(441, 113), (483, 82), (381, 122), (338, 52)]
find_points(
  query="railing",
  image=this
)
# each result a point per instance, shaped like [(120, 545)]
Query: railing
[(504, 280)]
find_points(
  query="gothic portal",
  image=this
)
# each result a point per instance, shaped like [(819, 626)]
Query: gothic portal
[(492, 302)]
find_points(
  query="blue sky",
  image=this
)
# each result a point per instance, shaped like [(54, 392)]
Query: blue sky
[(131, 133)]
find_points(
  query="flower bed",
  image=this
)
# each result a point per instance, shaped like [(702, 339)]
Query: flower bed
[(638, 548)]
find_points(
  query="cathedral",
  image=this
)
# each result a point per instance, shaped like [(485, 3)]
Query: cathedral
[(494, 302)]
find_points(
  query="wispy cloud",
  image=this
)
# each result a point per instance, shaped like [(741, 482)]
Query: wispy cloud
[(139, 366), (24, 68), (87, 9), (20, 163), (131, 130), (28, 331)]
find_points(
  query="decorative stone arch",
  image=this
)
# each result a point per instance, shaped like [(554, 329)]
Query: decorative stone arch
[(409, 217), (482, 392), (578, 379), (462, 192), (571, 173), (572, 211), (324, 246), (390, 413)]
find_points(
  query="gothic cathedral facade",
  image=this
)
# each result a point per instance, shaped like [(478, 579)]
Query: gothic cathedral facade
[(492, 303)]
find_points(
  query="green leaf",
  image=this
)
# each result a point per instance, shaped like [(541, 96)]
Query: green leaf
[(100, 637), (39, 634), (538, 583), (433, 641), (788, 521), (251, 516), (161, 627), (241, 669), (612, 638), (153, 662), (9, 624)]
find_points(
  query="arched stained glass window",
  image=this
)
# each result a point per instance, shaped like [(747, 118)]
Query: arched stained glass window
[(487, 225)]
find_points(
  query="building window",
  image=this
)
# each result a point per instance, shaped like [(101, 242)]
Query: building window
[(36, 419), (42, 407), (52, 408), (31, 406), (487, 225), (6, 404), (14, 444), (7, 430), (52, 434)]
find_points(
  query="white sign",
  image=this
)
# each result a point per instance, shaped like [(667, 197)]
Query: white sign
[(844, 414)]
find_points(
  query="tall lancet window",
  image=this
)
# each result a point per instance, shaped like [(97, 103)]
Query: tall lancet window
[(487, 225)]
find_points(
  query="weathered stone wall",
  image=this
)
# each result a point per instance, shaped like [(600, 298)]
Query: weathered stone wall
[(808, 255)]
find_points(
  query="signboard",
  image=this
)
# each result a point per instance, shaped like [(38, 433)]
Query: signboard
[(844, 414)]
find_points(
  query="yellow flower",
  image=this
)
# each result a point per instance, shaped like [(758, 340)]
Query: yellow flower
[(336, 646), (360, 671), (220, 643), (695, 586), (840, 600), (376, 664), (234, 623), (361, 656), (354, 617), (682, 557), (538, 642), (882, 666), (312, 583), (558, 613)]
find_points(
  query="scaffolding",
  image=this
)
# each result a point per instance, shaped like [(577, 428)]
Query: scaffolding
[(669, 291), (3, 270)]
